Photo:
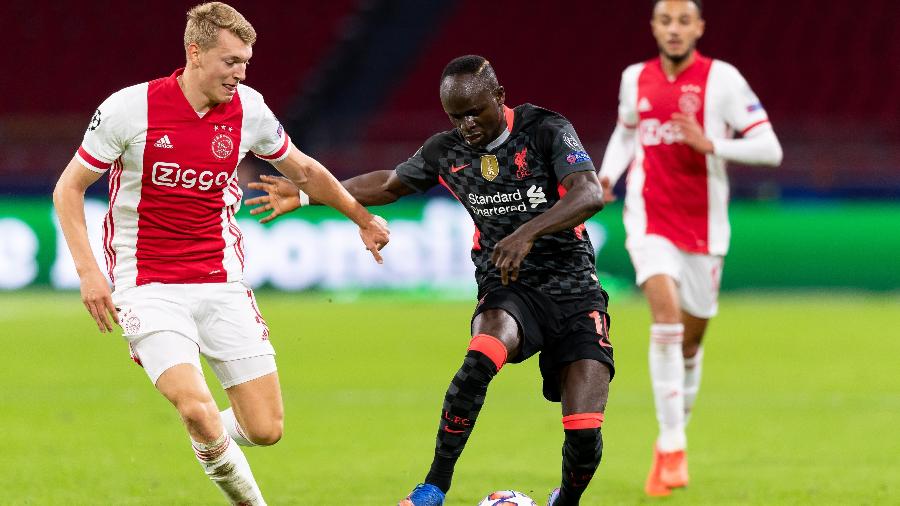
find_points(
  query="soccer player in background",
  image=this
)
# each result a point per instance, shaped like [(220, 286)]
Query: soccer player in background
[(173, 248), (677, 113), (524, 177)]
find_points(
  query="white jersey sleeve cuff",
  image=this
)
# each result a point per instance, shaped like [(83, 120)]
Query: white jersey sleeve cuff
[(279, 154), (761, 148), (91, 162)]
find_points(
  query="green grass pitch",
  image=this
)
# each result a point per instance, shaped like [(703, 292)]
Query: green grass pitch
[(800, 404)]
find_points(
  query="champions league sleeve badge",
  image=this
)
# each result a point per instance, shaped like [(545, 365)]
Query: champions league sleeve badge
[(95, 121)]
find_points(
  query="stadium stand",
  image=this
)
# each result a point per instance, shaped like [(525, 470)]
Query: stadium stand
[(827, 82), (69, 56), (361, 76)]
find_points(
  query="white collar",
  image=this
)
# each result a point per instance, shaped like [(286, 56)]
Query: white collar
[(498, 141)]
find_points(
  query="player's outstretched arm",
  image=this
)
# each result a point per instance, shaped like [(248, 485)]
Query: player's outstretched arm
[(618, 155), (282, 196), (314, 179), (68, 199), (583, 199)]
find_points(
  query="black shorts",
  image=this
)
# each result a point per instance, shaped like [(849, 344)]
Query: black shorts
[(563, 332)]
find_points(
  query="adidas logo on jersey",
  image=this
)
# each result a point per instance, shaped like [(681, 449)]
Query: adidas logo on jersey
[(644, 105), (164, 143)]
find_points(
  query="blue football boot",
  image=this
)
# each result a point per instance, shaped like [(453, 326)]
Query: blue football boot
[(425, 494)]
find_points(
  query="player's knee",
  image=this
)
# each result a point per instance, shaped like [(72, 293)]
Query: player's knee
[(198, 413), (266, 434)]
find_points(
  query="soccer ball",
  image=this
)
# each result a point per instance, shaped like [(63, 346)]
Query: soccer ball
[(507, 498)]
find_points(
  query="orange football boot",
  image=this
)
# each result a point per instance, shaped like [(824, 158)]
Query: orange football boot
[(654, 487), (673, 472)]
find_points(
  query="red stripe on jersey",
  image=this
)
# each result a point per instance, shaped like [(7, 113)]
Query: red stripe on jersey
[(510, 117), (579, 230), (280, 152), (234, 230), (754, 125), (109, 228), (180, 236), (94, 162), (675, 192), (445, 185), (476, 244), (476, 240)]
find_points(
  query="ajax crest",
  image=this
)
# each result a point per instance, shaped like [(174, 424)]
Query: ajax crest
[(222, 146), (689, 103)]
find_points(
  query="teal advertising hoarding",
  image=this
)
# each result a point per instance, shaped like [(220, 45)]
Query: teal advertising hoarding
[(774, 246)]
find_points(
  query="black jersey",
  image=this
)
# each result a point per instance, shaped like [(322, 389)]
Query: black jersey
[(505, 184)]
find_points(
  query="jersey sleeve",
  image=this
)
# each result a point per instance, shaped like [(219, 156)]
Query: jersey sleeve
[(563, 149), (417, 173), (628, 113), (741, 107), (106, 137), (271, 143)]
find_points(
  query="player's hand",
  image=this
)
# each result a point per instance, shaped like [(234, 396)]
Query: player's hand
[(608, 195), (281, 197), (509, 253), (375, 235), (689, 132), (97, 300)]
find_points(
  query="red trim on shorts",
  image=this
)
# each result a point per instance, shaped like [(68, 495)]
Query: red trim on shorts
[(134, 355), (583, 421), (491, 347)]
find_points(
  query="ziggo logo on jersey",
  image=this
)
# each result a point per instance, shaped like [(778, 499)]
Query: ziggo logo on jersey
[(171, 174), (654, 133)]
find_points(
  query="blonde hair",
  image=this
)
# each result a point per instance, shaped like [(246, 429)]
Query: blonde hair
[(205, 20)]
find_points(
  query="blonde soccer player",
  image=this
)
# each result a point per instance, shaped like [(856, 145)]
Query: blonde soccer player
[(174, 251)]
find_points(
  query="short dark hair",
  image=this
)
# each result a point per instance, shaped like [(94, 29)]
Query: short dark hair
[(698, 3), (470, 64)]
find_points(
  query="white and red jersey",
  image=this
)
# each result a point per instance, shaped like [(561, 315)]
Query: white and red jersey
[(672, 190), (173, 187)]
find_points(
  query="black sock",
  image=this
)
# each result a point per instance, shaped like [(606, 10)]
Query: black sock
[(461, 406), (582, 450)]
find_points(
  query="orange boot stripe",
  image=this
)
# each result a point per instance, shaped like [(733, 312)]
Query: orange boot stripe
[(583, 421), (492, 347)]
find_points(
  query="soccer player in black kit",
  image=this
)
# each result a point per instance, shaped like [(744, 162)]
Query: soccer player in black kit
[(528, 184)]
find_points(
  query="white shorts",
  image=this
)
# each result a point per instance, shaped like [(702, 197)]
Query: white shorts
[(698, 276), (170, 324)]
